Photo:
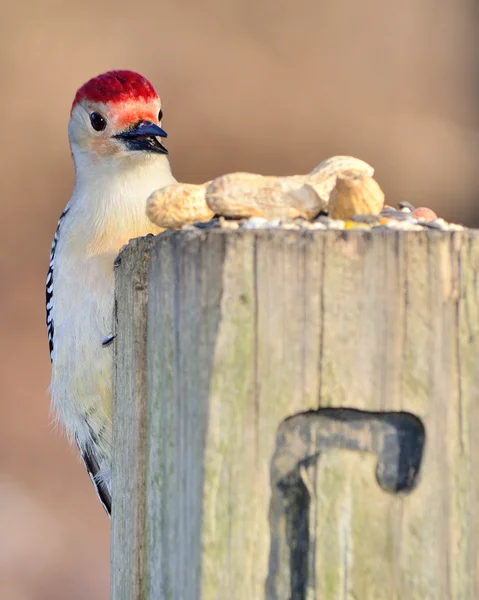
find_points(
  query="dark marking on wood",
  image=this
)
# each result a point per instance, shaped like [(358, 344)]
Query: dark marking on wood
[(397, 438)]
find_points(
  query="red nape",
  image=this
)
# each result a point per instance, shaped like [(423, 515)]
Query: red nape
[(116, 86)]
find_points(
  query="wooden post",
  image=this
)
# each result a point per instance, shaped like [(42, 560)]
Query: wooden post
[(295, 416)]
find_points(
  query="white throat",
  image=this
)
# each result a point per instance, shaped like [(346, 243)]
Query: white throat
[(110, 195)]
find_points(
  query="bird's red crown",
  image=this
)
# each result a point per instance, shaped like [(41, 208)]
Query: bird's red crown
[(116, 86)]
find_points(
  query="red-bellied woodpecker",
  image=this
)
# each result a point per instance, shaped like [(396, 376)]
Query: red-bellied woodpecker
[(114, 133)]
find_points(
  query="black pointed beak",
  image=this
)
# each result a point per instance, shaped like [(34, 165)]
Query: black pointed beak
[(144, 137)]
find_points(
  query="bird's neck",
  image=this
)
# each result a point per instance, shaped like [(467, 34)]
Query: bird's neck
[(109, 200)]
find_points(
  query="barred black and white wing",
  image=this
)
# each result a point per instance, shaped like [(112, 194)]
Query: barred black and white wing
[(49, 286)]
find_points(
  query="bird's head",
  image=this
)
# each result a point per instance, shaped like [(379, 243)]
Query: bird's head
[(116, 117)]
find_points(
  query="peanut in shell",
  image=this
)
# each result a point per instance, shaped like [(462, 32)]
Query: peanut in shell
[(178, 204), (355, 194), (244, 195)]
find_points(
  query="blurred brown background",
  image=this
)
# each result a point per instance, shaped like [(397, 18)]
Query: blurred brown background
[(268, 86)]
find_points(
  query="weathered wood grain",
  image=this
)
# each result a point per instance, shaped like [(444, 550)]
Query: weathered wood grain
[(129, 424), (246, 329)]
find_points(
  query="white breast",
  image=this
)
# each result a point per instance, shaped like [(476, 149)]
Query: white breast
[(105, 212)]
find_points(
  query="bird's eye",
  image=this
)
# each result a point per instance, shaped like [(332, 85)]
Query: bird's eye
[(97, 121), (160, 115)]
